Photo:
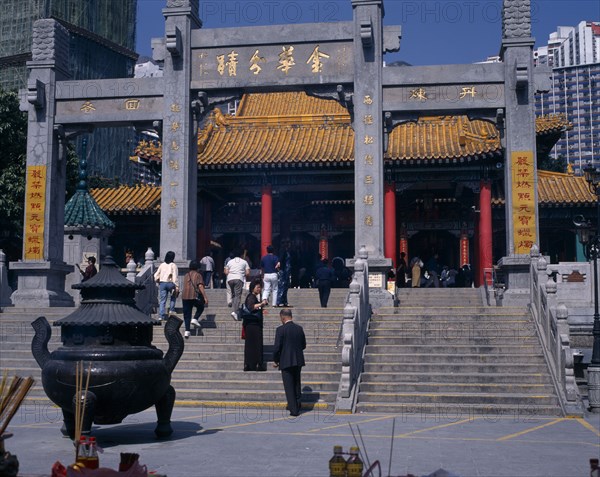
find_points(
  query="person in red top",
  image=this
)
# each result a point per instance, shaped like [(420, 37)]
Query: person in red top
[(90, 270)]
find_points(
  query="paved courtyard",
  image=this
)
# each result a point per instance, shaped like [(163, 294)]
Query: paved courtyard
[(265, 442)]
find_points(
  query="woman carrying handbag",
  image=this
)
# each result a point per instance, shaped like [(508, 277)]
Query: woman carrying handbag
[(252, 316)]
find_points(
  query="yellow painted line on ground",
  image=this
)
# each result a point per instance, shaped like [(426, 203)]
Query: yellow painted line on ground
[(386, 437), (587, 425), (532, 429), (245, 424), (355, 423), (247, 404), (441, 426)]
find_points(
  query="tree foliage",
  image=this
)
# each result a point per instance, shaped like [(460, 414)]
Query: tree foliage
[(13, 147), (13, 161)]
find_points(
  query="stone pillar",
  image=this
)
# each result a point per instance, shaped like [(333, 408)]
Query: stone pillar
[(518, 139), (41, 273), (266, 218), (485, 230), (368, 145), (178, 228), (519, 135), (390, 222)]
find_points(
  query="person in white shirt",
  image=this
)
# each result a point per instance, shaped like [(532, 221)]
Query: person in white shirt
[(167, 278), (208, 265), (237, 269)]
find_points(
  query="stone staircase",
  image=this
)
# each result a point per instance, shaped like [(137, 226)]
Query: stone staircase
[(443, 352), (210, 371)]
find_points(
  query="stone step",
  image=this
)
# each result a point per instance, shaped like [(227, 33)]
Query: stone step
[(460, 398), (453, 326), (401, 368), (507, 349), (263, 396), (459, 387), (470, 358), (451, 314), (441, 339), (274, 383), (186, 363), (456, 412)]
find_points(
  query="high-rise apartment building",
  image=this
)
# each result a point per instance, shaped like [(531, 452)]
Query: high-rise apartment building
[(102, 46), (573, 53), (102, 37), (571, 46), (576, 93)]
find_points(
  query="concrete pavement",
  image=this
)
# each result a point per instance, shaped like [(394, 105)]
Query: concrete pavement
[(251, 441)]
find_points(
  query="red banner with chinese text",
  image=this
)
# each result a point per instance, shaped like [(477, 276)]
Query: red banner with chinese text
[(523, 201), (35, 200)]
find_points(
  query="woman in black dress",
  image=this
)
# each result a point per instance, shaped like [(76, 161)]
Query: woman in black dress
[(253, 326)]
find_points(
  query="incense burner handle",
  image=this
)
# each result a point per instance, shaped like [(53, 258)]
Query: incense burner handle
[(39, 344), (175, 341)]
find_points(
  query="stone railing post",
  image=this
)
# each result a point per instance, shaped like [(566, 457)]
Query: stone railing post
[(146, 299), (550, 289), (565, 353), (131, 271), (347, 351), (149, 257), (354, 332)]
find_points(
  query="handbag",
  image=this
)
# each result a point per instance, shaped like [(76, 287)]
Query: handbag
[(199, 295), (243, 332)]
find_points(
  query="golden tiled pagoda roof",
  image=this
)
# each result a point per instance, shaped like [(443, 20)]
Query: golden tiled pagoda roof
[(299, 139), (126, 200), (443, 139), (551, 124), (293, 128), (557, 189)]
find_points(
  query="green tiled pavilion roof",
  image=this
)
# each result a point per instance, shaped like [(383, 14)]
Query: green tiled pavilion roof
[(83, 211)]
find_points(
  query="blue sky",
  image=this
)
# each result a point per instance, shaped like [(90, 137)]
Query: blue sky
[(433, 32)]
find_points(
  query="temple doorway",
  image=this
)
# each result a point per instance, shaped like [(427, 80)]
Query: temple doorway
[(427, 243)]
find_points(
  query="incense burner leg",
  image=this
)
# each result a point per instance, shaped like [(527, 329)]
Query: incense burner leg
[(88, 412), (164, 409), (68, 427)]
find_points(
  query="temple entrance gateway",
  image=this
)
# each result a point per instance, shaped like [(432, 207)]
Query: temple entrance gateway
[(340, 61), (426, 244)]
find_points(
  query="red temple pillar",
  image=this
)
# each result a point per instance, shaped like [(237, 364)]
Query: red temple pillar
[(266, 218), (390, 221), (485, 229)]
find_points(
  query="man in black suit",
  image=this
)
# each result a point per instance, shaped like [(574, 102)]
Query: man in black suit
[(288, 356)]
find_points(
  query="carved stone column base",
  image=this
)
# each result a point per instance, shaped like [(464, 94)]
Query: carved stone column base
[(41, 284)]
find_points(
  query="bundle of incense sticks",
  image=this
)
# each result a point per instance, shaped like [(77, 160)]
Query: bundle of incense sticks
[(11, 397), (81, 398)]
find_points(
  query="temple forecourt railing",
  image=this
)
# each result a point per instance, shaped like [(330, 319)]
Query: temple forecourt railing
[(551, 320), (355, 325)]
